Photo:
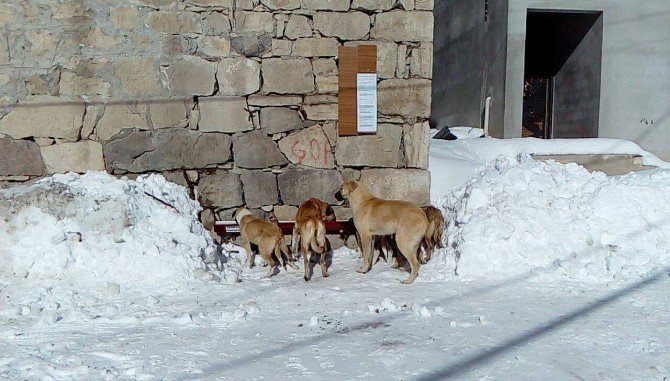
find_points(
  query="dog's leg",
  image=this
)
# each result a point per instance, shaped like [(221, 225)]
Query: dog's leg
[(247, 247), (366, 247), (324, 268), (304, 250), (267, 254), (358, 242), (377, 244), (288, 256), (409, 247), (295, 240)]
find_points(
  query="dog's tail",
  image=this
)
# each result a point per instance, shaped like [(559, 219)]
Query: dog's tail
[(438, 234), (316, 230)]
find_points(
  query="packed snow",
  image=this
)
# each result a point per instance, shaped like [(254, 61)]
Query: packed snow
[(550, 272)]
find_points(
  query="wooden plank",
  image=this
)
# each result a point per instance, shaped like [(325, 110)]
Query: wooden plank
[(346, 96), (332, 227), (367, 59)]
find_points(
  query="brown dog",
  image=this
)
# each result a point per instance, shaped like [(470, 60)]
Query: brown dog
[(310, 232), (376, 216), (433, 233), (267, 236)]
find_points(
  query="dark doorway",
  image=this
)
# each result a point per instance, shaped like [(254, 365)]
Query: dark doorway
[(562, 74)]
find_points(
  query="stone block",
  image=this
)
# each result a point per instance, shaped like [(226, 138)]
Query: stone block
[(191, 75), (255, 150), (214, 46), (399, 184), (320, 112), (417, 144), (285, 212), (74, 85), (260, 188), (405, 97), (254, 23), (281, 47), (77, 157), (223, 4), (328, 5), (397, 25), (216, 24), (138, 76), (298, 26), (160, 150), (274, 120), (274, 100), (20, 157), (123, 18), (425, 5), (238, 76), (281, 4), (379, 150), (373, 5), (44, 117), (287, 76), (176, 177), (174, 22), (168, 114), (252, 45), (224, 114), (309, 147), (346, 26), (220, 189), (315, 47), (117, 117), (421, 64), (298, 185)]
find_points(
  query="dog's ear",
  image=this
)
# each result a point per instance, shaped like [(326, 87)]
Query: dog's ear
[(351, 185)]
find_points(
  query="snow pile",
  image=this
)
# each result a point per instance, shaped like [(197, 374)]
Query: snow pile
[(517, 215), (103, 236)]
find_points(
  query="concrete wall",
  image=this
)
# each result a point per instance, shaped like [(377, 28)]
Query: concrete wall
[(235, 99), (635, 73), (469, 63)]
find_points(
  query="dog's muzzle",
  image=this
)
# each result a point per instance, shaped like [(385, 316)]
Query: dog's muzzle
[(338, 196)]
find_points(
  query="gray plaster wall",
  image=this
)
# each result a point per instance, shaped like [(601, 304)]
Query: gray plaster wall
[(635, 77), (469, 63)]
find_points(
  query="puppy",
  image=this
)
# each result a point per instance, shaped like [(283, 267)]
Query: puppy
[(433, 233), (310, 232), (267, 236), (376, 216)]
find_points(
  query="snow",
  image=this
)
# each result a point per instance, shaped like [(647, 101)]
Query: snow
[(563, 274)]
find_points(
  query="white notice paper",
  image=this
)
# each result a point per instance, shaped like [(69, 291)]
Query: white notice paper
[(366, 85)]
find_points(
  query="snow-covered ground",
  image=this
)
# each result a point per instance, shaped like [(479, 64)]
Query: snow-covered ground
[(562, 275)]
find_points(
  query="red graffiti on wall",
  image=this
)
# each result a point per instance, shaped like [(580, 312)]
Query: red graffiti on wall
[(313, 149)]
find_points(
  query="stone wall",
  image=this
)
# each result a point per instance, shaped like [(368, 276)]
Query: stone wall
[(235, 99)]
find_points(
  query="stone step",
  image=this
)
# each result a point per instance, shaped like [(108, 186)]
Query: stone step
[(610, 164)]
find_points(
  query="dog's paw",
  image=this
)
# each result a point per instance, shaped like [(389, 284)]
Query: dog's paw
[(362, 270)]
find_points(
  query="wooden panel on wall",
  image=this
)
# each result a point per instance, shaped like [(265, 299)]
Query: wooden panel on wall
[(348, 68)]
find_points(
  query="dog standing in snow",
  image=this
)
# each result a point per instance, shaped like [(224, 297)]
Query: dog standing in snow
[(433, 233), (267, 236), (309, 232), (379, 217)]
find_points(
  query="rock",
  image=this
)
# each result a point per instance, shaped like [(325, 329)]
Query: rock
[(287, 76), (379, 150), (176, 177), (309, 147), (298, 185), (387, 53), (191, 75), (406, 26), (252, 46), (274, 100), (426, 5), (138, 76), (373, 5), (117, 117), (160, 150), (44, 117), (220, 189), (321, 111), (281, 4), (171, 22), (346, 26), (74, 85), (256, 150), (285, 212), (279, 119), (73, 157), (216, 24), (281, 48), (405, 97), (298, 26), (20, 157), (329, 5), (91, 119), (214, 46), (343, 212), (421, 64), (238, 76), (224, 114), (254, 23), (168, 114), (325, 72), (315, 47), (260, 188), (207, 219), (417, 144), (227, 4), (399, 184)]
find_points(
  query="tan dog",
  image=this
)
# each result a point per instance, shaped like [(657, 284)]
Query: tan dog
[(433, 233), (376, 216), (310, 232), (267, 236)]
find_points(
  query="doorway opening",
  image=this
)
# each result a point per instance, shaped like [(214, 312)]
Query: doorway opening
[(563, 56)]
